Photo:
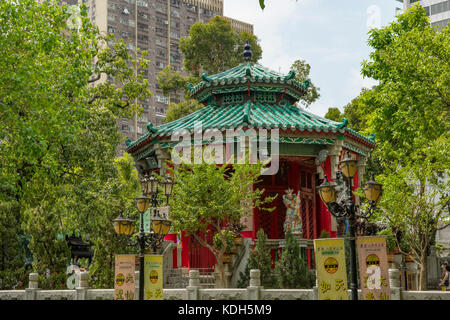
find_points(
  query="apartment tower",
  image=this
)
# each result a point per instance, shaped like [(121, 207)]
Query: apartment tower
[(155, 26), (437, 10)]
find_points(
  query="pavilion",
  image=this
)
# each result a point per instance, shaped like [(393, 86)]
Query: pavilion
[(249, 96)]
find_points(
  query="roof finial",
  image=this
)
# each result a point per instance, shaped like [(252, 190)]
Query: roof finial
[(247, 52)]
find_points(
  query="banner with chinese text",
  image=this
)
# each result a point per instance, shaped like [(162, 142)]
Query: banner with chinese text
[(153, 281), (331, 269), (124, 277), (373, 268)]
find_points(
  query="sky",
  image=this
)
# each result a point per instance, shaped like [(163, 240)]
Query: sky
[(330, 35)]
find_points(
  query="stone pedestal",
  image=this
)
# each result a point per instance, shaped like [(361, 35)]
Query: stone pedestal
[(194, 285), (254, 288)]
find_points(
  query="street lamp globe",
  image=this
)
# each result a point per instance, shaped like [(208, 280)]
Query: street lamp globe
[(168, 187), (142, 203), (161, 226), (123, 225), (373, 191), (145, 183), (152, 186), (327, 192), (348, 166)]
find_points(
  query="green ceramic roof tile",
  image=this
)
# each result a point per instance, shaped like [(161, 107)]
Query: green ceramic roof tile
[(257, 115), (259, 76)]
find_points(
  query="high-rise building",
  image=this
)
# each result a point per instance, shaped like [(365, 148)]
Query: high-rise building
[(437, 10), (155, 26)]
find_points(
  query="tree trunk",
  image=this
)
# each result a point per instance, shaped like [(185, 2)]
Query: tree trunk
[(221, 270), (423, 285)]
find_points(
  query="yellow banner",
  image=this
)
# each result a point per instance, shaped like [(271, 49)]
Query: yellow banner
[(373, 268), (331, 270), (124, 282), (153, 281)]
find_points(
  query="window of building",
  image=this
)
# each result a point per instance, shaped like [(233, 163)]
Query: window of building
[(162, 99), (440, 7), (441, 24), (142, 3)]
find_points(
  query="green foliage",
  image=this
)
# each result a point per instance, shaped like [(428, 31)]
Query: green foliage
[(408, 111), (260, 259), (262, 4), (409, 108), (52, 281), (58, 134), (334, 114), (211, 198), (324, 234), (214, 47), (353, 112), (171, 81), (292, 271), (227, 235), (302, 70), (182, 109), (392, 242), (12, 255)]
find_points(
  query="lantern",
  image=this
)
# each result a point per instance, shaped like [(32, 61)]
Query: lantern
[(348, 166), (124, 225), (142, 203), (327, 192), (373, 191)]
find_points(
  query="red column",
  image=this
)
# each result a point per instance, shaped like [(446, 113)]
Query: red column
[(184, 250), (325, 215)]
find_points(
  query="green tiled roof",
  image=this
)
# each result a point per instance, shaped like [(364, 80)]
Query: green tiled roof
[(251, 115), (246, 74)]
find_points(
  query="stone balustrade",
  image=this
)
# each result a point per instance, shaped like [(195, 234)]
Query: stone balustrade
[(196, 292)]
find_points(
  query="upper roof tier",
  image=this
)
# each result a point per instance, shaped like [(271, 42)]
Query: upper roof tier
[(248, 77)]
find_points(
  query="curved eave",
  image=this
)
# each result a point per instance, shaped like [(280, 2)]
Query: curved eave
[(287, 118)]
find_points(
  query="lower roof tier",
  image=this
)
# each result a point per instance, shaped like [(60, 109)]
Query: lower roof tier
[(249, 115)]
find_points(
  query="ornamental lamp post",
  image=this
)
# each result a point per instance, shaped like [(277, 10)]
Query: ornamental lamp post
[(160, 226), (347, 209)]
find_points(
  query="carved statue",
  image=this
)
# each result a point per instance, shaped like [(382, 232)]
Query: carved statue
[(293, 220)]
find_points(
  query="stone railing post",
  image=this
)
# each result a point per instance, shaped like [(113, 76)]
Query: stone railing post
[(315, 290), (33, 286), (254, 288), (83, 286), (194, 285), (395, 283), (136, 285)]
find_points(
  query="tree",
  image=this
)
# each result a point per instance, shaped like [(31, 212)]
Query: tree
[(177, 111), (211, 47), (334, 114), (260, 259), (408, 111), (214, 47), (58, 134), (211, 198), (171, 81), (302, 70), (292, 271), (415, 212)]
